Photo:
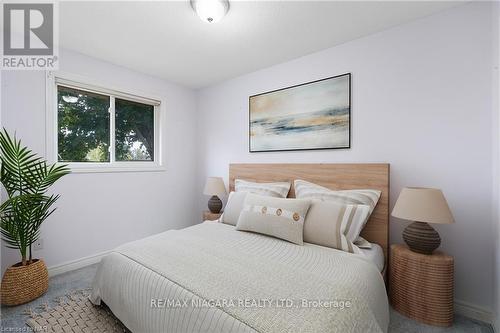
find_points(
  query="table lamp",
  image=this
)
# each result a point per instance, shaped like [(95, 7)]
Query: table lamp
[(423, 206), (215, 187)]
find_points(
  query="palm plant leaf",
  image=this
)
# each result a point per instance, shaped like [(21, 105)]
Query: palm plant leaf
[(26, 177), (14, 224), (41, 176), (16, 161)]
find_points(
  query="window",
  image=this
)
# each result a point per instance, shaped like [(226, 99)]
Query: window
[(134, 130), (83, 123), (99, 129)]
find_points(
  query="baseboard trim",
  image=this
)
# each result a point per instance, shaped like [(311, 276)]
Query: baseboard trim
[(76, 264), (473, 312)]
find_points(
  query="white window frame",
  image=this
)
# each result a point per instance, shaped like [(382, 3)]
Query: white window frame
[(53, 79)]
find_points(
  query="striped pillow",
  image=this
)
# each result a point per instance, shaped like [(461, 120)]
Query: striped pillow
[(307, 190), (277, 190), (334, 224)]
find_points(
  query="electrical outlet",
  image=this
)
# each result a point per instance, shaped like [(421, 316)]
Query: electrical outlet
[(38, 245)]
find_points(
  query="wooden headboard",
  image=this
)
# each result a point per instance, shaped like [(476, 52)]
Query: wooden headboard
[(335, 177)]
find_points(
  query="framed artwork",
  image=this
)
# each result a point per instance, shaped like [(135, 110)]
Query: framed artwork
[(313, 115)]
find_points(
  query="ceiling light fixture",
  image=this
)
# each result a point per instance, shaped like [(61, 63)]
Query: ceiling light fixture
[(210, 11)]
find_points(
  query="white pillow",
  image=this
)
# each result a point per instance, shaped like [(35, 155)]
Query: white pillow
[(277, 217), (307, 190), (234, 206), (278, 190)]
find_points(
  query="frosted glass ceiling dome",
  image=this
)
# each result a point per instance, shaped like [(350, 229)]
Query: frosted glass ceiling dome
[(210, 11)]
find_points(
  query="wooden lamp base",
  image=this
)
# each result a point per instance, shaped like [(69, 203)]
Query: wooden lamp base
[(421, 237)]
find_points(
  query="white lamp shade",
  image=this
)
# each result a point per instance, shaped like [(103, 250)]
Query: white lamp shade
[(215, 186), (422, 205)]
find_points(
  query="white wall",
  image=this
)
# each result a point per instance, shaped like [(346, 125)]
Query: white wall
[(421, 100), (496, 161), (98, 211)]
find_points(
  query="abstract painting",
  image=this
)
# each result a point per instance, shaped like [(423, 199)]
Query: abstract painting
[(313, 115)]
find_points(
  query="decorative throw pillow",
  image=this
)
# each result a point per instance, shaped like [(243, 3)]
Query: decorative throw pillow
[(277, 217), (278, 190), (334, 225), (234, 206), (307, 190)]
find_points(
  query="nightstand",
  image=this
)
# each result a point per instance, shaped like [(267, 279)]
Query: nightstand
[(421, 285), (209, 216)]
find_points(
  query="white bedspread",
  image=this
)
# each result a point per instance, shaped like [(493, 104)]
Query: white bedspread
[(251, 282)]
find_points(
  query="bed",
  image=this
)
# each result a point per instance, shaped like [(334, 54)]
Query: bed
[(213, 278)]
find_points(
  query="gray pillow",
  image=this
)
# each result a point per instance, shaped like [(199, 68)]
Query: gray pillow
[(277, 217)]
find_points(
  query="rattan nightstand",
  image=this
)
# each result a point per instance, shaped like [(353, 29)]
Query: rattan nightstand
[(421, 286), (209, 216)]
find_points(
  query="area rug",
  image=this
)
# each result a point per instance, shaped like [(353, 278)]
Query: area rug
[(74, 313)]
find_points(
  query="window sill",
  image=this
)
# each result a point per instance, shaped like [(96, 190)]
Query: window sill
[(125, 167)]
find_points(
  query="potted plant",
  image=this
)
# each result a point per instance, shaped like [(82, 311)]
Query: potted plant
[(26, 179)]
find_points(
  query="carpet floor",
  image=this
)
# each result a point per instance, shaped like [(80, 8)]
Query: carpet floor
[(13, 319)]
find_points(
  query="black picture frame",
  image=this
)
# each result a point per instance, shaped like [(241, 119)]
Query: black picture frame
[(348, 146)]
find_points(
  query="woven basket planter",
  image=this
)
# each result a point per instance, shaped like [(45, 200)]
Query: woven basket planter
[(21, 284)]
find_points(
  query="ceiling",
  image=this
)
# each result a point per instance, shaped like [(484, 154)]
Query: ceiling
[(166, 39)]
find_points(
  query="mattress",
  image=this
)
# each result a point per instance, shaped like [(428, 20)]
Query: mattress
[(208, 266), (375, 255)]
